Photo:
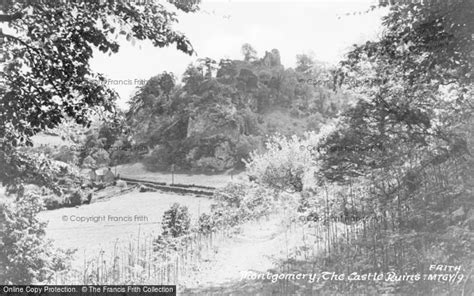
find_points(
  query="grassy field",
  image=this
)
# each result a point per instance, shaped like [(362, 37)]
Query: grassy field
[(114, 221)]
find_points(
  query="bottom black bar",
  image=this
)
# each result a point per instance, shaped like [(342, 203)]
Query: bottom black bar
[(160, 290)]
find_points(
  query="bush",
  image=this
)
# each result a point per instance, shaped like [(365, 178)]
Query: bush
[(101, 157), (257, 202), (89, 162), (26, 257), (52, 202), (245, 146), (76, 198), (288, 164), (232, 194), (176, 221), (239, 203), (205, 224)]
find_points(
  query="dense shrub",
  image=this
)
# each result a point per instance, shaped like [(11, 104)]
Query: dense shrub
[(205, 224), (101, 157), (76, 197), (244, 147), (232, 194), (176, 221), (257, 203), (288, 164), (52, 201), (238, 203), (69, 198), (26, 257), (176, 225), (89, 162)]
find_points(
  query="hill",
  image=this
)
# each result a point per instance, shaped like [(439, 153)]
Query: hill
[(223, 111)]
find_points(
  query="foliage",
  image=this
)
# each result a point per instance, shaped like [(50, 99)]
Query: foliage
[(414, 83), (24, 168), (245, 147), (76, 198), (66, 154), (25, 256), (101, 157), (48, 48), (240, 100), (399, 158), (237, 203), (249, 52), (176, 221), (287, 163), (192, 78), (108, 142), (154, 95), (205, 224), (304, 62), (407, 140)]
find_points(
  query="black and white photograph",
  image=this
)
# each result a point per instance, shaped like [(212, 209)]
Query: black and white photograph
[(236, 147)]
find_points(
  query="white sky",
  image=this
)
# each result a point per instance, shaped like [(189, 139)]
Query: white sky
[(219, 29)]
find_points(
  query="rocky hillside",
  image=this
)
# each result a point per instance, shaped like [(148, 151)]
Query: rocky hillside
[(223, 110)]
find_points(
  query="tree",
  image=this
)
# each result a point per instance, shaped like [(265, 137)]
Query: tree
[(415, 82), (47, 76), (46, 80), (406, 140), (151, 107), (113, 129), (304, 62), (250, 54), (210, 66), (154, 95), (192, 78)]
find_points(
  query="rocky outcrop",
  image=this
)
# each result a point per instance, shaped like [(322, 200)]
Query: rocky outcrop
[(219, 158), (249, 79), (215, 152), (203, 126)]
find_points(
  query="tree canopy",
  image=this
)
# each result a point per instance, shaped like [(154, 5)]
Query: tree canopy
[(415, 84), (48, 47), (249, 52)]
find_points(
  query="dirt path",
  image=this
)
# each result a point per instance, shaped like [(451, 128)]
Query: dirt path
[(255, 249)]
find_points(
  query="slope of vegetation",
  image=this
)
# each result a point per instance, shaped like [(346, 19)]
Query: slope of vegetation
[(223, 111), (397, 165)]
